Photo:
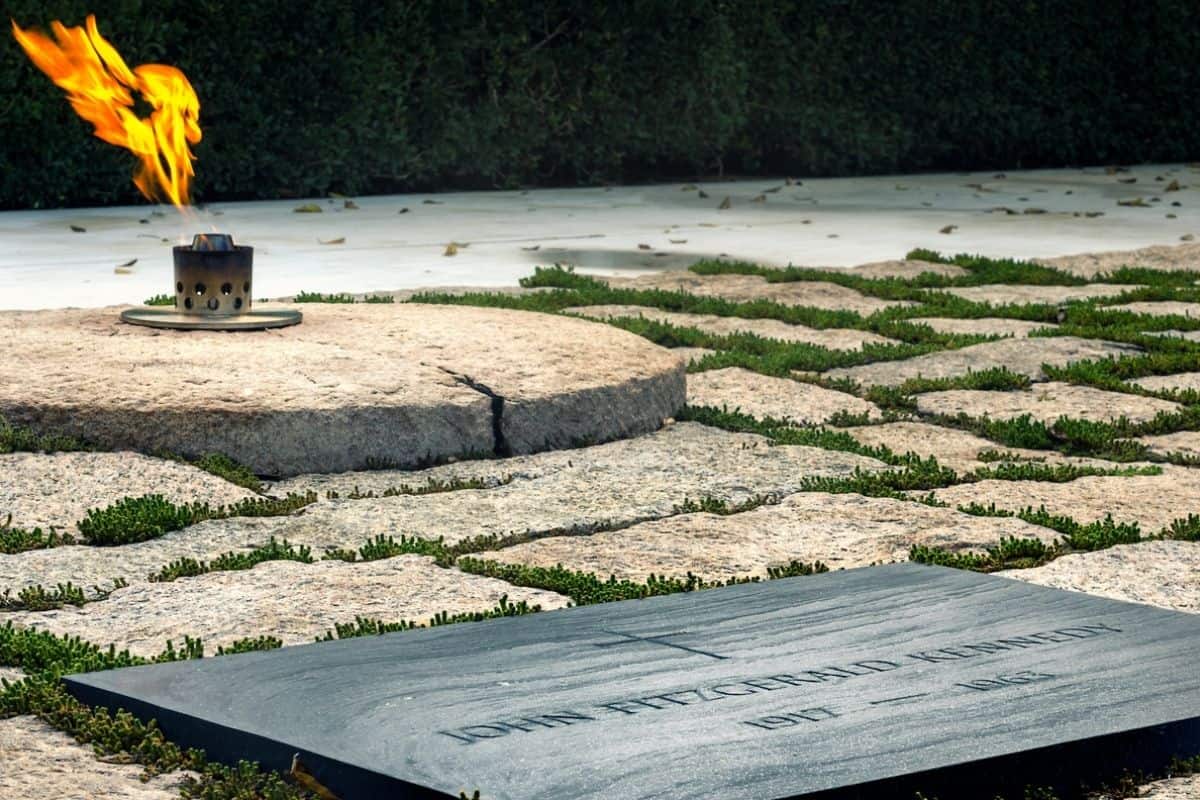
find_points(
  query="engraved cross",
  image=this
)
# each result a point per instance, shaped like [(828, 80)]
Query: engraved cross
[(629, 638)]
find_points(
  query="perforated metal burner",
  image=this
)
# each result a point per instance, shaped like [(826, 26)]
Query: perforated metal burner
[(213, 283)]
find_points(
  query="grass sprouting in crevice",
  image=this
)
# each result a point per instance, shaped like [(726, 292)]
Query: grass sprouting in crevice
[(586, 588), (273, 550), (433, 486), (20, 439), (18, 540), (900, 398), (139, 519)]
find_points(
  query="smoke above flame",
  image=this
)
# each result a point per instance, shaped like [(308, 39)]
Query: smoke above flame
[(101, 88)]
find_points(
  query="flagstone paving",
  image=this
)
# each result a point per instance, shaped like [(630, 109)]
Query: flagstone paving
[(901, 269), (1046, 402), (780, 398), (39, 761), (987, 326), (56, 490), (1164, 574), (1024, 356), (841, 531), (833, 338), (578, 491), (1152, 501), (291, 601), (1181, 380), (1182, 443), (11, 674), (1157, 257), (1003, 293), (816, 294), (1160, 308), (953, 448), (617, 508)]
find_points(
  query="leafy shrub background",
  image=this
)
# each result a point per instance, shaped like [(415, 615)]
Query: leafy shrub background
[(363, 96)]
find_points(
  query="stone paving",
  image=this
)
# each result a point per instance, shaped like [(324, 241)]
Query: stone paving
[(684, 491)]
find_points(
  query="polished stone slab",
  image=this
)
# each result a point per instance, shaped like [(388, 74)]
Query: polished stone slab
[(864, 683)]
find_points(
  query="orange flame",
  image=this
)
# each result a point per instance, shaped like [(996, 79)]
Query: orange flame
[(100, 88)]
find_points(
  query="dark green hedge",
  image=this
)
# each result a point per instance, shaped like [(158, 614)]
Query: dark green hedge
[(357, 96)]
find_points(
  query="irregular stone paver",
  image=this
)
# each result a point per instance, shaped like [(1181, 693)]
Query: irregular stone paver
[(1183, 443), (40, 761), (833, 338), (766, 396), (840, 530), (56, 490), (313, 398), (291, 601), (1160, 308), (1159, 573), (1005, 293), (569, 491), (986, 326), (1153, 501), (1024, 356), (1158, 257), (740, 288), (901, 269), (1185, 788), (1157, 383), (1046, 402), (690, 354), (953, 448), (11, 674)]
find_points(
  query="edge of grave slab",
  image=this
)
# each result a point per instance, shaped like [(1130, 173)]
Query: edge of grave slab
[(1075, 734)]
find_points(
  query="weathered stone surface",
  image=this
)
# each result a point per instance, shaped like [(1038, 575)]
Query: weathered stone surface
[(901, 269), (1160, 308), (817, 294), (1158, 257), (953, 448), (1159, 573), (40, 761), (56, 490), (840, 530), (291, 601), (1025, 356), (616, 484), (1183, 443), (316, 397), (1046, 402), (833, 338), (1153, 501), (1185, 788), (11, 674), (987, 326), (689, 354), (1005, 293), (1181, 380), (765, 396)]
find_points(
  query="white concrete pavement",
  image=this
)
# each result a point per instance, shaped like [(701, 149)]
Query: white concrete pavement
[(820, 222)]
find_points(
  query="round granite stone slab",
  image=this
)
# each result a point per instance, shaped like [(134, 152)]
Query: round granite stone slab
[(354, 386)]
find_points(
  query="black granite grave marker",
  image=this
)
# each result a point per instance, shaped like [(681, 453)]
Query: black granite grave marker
[(870, 683)]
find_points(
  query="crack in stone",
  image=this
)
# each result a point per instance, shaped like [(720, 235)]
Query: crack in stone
[(500, 446)]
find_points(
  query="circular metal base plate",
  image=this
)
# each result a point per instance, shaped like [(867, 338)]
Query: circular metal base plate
[(250, 321)]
